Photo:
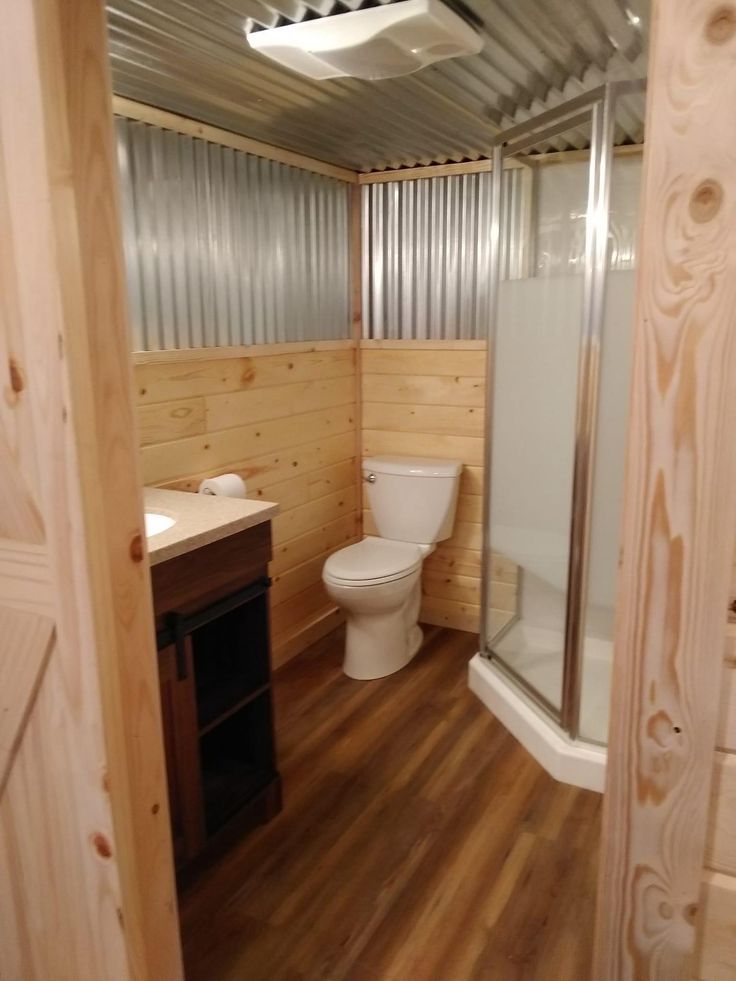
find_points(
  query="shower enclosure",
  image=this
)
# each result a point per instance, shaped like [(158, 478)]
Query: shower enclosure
[(558, 381)]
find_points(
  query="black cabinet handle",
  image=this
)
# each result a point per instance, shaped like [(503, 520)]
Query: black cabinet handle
[(178, 625)]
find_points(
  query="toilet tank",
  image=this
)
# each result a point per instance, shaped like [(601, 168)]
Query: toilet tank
[(413, 499)]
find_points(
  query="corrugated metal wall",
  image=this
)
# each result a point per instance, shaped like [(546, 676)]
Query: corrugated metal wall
[(223, 248), (426, 243), (426, 254)]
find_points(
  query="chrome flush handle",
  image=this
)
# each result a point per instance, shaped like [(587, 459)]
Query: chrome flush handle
[(369, 478)]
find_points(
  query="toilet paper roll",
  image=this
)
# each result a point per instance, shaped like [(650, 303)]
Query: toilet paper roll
[(226, 485)]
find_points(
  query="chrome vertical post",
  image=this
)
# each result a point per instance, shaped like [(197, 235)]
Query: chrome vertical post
[(596, 255), (494, 275)]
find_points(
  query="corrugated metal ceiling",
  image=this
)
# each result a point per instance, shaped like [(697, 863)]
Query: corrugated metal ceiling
[(192, 58)]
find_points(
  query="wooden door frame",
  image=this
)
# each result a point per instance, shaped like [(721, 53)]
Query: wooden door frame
[(68, 380), (680, 511), (680, 505)]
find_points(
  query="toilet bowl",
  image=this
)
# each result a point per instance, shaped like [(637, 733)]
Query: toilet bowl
[(378, 585), (377, 582)]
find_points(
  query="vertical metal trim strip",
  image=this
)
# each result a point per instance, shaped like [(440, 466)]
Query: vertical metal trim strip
[(596, 272), (366, 261), (494, 279), (587, 378)]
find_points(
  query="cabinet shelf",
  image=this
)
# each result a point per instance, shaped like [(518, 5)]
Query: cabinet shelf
[(237, 760), (231, 660), (246, 700)]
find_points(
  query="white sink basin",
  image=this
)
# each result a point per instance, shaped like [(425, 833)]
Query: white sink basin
[(156, 523)]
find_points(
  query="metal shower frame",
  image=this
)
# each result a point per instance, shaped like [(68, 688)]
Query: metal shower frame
[(597, 107)]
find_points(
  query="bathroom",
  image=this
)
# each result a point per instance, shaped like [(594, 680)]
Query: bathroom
[(361, 680)]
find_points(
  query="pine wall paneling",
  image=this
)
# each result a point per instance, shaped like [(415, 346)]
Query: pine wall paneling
[(716, 953), (283, 417), (286, 421)]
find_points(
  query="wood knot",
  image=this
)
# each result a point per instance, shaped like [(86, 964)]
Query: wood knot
[(136, 548), (101, 845), (155, 809), (17, 382), (706, 201), (721, 24), (660, 729), (691, 912)]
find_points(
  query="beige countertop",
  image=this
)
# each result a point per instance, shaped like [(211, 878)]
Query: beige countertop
[(200, 520)]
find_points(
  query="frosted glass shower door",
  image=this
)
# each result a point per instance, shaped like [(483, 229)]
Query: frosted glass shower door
[(533, 449), (558, 367), (533, 429), (610, 450)]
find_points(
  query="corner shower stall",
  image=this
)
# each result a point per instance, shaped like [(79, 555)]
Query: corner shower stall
[(557, 400)]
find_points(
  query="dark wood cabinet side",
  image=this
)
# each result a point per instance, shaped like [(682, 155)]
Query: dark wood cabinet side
[(181, 745), (220, 749)]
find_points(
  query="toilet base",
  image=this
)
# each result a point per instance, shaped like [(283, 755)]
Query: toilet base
[(377, 645), (365, 661)]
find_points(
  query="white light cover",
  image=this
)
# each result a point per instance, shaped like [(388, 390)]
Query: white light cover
[(380, 42)]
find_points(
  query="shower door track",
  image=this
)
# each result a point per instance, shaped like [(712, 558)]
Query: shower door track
[(597, 107)]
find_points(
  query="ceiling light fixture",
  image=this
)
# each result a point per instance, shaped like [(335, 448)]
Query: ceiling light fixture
[(377, 42)]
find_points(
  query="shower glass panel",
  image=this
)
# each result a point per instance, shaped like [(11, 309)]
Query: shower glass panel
[(559, 354), (533, 427), (610, 448)]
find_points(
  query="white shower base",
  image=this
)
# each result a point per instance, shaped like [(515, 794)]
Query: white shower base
[(536, 654)]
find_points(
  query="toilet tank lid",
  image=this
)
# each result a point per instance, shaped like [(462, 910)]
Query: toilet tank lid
[(413, 466)]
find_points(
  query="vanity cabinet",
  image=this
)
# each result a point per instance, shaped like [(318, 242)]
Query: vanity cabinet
[(212, 629)]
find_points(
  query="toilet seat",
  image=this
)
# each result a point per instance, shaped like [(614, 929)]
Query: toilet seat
[(373, 561)]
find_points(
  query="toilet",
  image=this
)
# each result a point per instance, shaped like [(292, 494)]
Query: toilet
[(377, 582)]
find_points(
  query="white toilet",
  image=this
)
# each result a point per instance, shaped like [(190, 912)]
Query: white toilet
[(377, 582)]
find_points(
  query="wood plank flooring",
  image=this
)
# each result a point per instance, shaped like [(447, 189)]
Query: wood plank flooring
[(419, 842)]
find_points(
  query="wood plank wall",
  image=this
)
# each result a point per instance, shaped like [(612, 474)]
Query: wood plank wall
[(283, 417), (717, 938), (426, 398)]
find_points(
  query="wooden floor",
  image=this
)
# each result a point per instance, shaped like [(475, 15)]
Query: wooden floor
[(419, 842)]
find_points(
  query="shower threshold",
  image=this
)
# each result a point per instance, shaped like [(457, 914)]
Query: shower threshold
[(572, 761)]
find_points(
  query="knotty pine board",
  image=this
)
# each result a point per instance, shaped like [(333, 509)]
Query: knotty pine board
[(726, 734), (283, 420), (720, 853), (715, 951), (677, 537), (87, 887)]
